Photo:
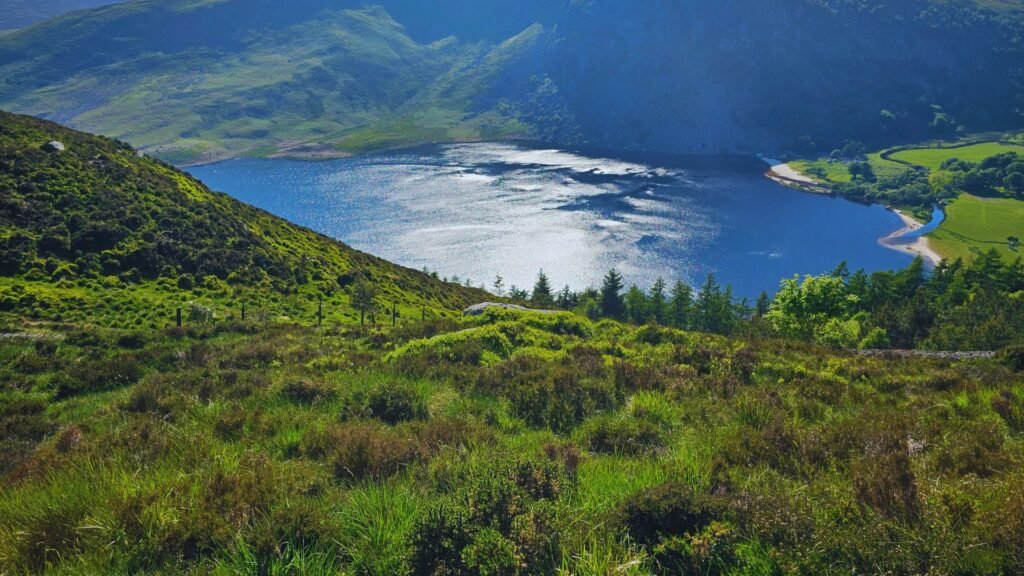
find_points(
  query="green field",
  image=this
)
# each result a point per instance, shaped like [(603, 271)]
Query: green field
[(979, 224), (837, 172), (822, 170), (932, 158)]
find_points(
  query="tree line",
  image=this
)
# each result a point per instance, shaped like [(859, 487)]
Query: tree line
[(976, 305)]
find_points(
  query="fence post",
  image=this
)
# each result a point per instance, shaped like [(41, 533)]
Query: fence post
[(394, 314), (243, 311), (178, 317), (320, 311)]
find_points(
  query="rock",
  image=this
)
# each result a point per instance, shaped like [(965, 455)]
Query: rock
[(478, 309), (54, 146)]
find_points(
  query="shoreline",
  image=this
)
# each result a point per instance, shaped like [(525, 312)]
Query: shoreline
[(784, 174), (921, 246)]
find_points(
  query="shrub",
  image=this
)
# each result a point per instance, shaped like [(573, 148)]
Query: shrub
[(491, 554), (437, 434), (666, 510), (616, 434), (396, 402), (498, 521), (99, 376), (710, 552), (362, 450), (559, 396), (974, 447), (198, 314), (1010, 408), (1013, 357), (23, 424), (132, 341), (439, 538), (308, 392), (876, 339), (883, 477), (230, 424)]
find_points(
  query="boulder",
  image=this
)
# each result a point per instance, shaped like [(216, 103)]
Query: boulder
[(478, 309)]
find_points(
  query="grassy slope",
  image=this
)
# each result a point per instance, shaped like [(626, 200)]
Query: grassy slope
[(975, 224), (932, 158), (239, 449), (350, 78), (108, 237), (21, 13)]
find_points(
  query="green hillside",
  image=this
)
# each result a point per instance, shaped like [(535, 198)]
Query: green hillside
[(512, 443), (99, 234), (21, 13), (508, 444), (193, 81), (313, 81)]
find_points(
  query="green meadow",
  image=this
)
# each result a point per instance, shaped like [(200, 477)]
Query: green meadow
[(932, 158), (974, 224)]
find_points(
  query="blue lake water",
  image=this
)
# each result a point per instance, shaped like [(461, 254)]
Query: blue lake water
[(479, 210)]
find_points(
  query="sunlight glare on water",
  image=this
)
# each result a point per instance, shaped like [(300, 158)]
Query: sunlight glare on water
[(478, 210)]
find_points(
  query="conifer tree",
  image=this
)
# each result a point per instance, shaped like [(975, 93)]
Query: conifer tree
[(612, 305)]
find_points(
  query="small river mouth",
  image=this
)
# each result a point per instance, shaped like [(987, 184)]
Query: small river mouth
[(480, 210)]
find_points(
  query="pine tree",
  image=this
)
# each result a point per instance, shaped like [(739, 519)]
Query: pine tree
[(566, 299), (636, 305), (656, 302), (714, 311), (612, 305), (763, 305), (681, 306), (499, 285), (542, 292)]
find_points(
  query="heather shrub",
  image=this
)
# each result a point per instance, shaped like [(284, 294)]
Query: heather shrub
[(883, 477), (90, 376), (391, 402), (302, 391), (625, 435), (1013, 357), (362, 450), (664, 511), (495, 520), (974, 447), (1010, 408)]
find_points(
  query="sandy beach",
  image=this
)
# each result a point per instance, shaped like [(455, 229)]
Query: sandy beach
[(786, 175), (786, 172), (919, 247)]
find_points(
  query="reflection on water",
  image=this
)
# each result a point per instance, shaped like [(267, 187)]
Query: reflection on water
[(478, 210)]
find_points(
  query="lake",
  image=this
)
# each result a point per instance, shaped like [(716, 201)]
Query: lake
[(478, 210)]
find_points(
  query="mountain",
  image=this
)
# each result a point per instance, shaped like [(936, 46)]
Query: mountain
[(99, 233), (197, 81), (193, 81), (21, 13), (746, 74)]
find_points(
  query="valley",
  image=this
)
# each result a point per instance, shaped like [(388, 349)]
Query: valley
[(495, 288), (972, 177), (473, 212)]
